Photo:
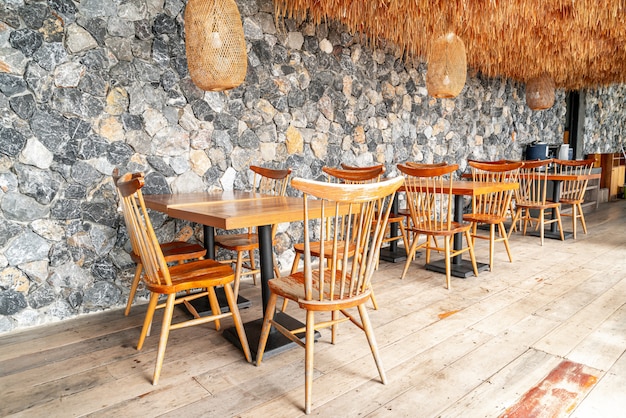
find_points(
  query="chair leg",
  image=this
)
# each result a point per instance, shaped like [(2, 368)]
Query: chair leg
[(296, 262), (133, 288), (446, 245), (505, 239), (558, 219), (574, 221), (215, 305), (234, 310), (582, 218), (265, 330), (369, 333), (409, 257), (333, 328), (147, 322), (541, 224), (165, 332), (492, 243), (373, 298), (252, 265), (238, 270), (308, 360), (468, 238)]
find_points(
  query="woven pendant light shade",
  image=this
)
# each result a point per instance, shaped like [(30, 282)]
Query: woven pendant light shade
[(540, 92), (216, 48), (447, 67)]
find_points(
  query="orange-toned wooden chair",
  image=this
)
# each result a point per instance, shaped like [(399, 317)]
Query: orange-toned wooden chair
[(573, 191), (175, 251), (531, 196), (161, 279), (492, 208), (429, 197), (265, 181), (352, 213)]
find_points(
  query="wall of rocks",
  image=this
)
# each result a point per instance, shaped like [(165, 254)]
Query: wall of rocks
[(605, 120), (86, 86)]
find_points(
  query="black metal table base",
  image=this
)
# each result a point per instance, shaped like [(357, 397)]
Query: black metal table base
[(393, 255), (202, 306), (552, 235), (276, 342), (462, 270)]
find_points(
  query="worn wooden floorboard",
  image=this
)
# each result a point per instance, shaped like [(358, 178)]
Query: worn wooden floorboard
[(489, 344)]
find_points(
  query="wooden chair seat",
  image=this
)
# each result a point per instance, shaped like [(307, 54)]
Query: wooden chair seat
[(316, 249), (162, 279)]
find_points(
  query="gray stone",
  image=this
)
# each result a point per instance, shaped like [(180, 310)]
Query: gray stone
[(39, 81), (139, 141), (143, 29), (100, 212), (11, 141), (156, 184), (69, 276), (123, 73), (68, 74), (102, 238), (27, 247), (120, 27), (249, 139), (48, 229), (98, 8), (85, 174), (11, 85), (188, 182), (252, 30), (27, 41), (104, 269), (121, 48), (8, 230), (92, 147), (23, 106), (14, 60), (102, 295), (94, 84), (73, 102), (36, 183), (11, 302), (34, 15), (95, 60), (161, 166), (132, 10), (64, 7), (119, 153), (66, 209), (160, 52), (75, 191), (50, 55), (173, 7), (40, 297), (170, 141), (163, 24), (79, 40), (202, 111), (146, 72), (132, 122)]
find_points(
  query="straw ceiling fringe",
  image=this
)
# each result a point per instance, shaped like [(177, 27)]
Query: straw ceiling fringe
[(578, 43)]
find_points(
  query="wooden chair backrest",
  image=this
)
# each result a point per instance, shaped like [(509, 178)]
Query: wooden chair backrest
[(429, 195), (574, 189), (272, 182), (533, 179), (359, 175), (496, 203), (420, 165), (140, 230), (352, 274)]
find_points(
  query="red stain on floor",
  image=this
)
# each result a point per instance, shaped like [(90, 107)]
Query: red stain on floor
[(556, 396)]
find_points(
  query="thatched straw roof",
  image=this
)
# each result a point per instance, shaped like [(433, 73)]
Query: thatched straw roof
[(579, 43)]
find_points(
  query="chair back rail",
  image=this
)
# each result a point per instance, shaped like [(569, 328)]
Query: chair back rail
[(574, 189), (533, 179), (496, 203)]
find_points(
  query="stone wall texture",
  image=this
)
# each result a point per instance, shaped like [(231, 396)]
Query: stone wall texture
[(86, 86)]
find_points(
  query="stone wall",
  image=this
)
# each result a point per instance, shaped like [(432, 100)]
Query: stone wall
[(605, 120), (87, 86)]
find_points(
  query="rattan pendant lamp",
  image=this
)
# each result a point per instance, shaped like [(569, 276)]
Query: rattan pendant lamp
[(447, 67), (215, 44), (540, 92)]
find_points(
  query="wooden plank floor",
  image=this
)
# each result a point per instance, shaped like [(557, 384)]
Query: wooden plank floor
[(542, 336)]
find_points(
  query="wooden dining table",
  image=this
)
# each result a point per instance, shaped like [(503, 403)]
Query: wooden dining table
[(230, 210), (460, 267)]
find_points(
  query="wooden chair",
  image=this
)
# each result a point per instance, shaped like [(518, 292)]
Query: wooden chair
[(345, 176), (265, 181), (406, 212), (161, 279), (429, 197), (492, 208), (346, 285), (573, 191), (175, 251), (531, 196)]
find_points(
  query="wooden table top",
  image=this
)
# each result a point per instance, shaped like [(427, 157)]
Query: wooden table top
[(232, 209), (475, 188)]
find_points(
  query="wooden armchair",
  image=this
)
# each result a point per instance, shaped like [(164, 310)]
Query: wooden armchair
[(161, 279), (265, 181), (492, 208), (531, 196), (429, 197), (352, 213), (175, 251), (573, 190)]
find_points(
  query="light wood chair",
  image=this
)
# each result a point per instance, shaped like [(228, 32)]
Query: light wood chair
[(429, 198), (573, 191), (359, 175), (531, 196), (175, 251), (348, 210), (492, 208), (265, 181), (161, 279)]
